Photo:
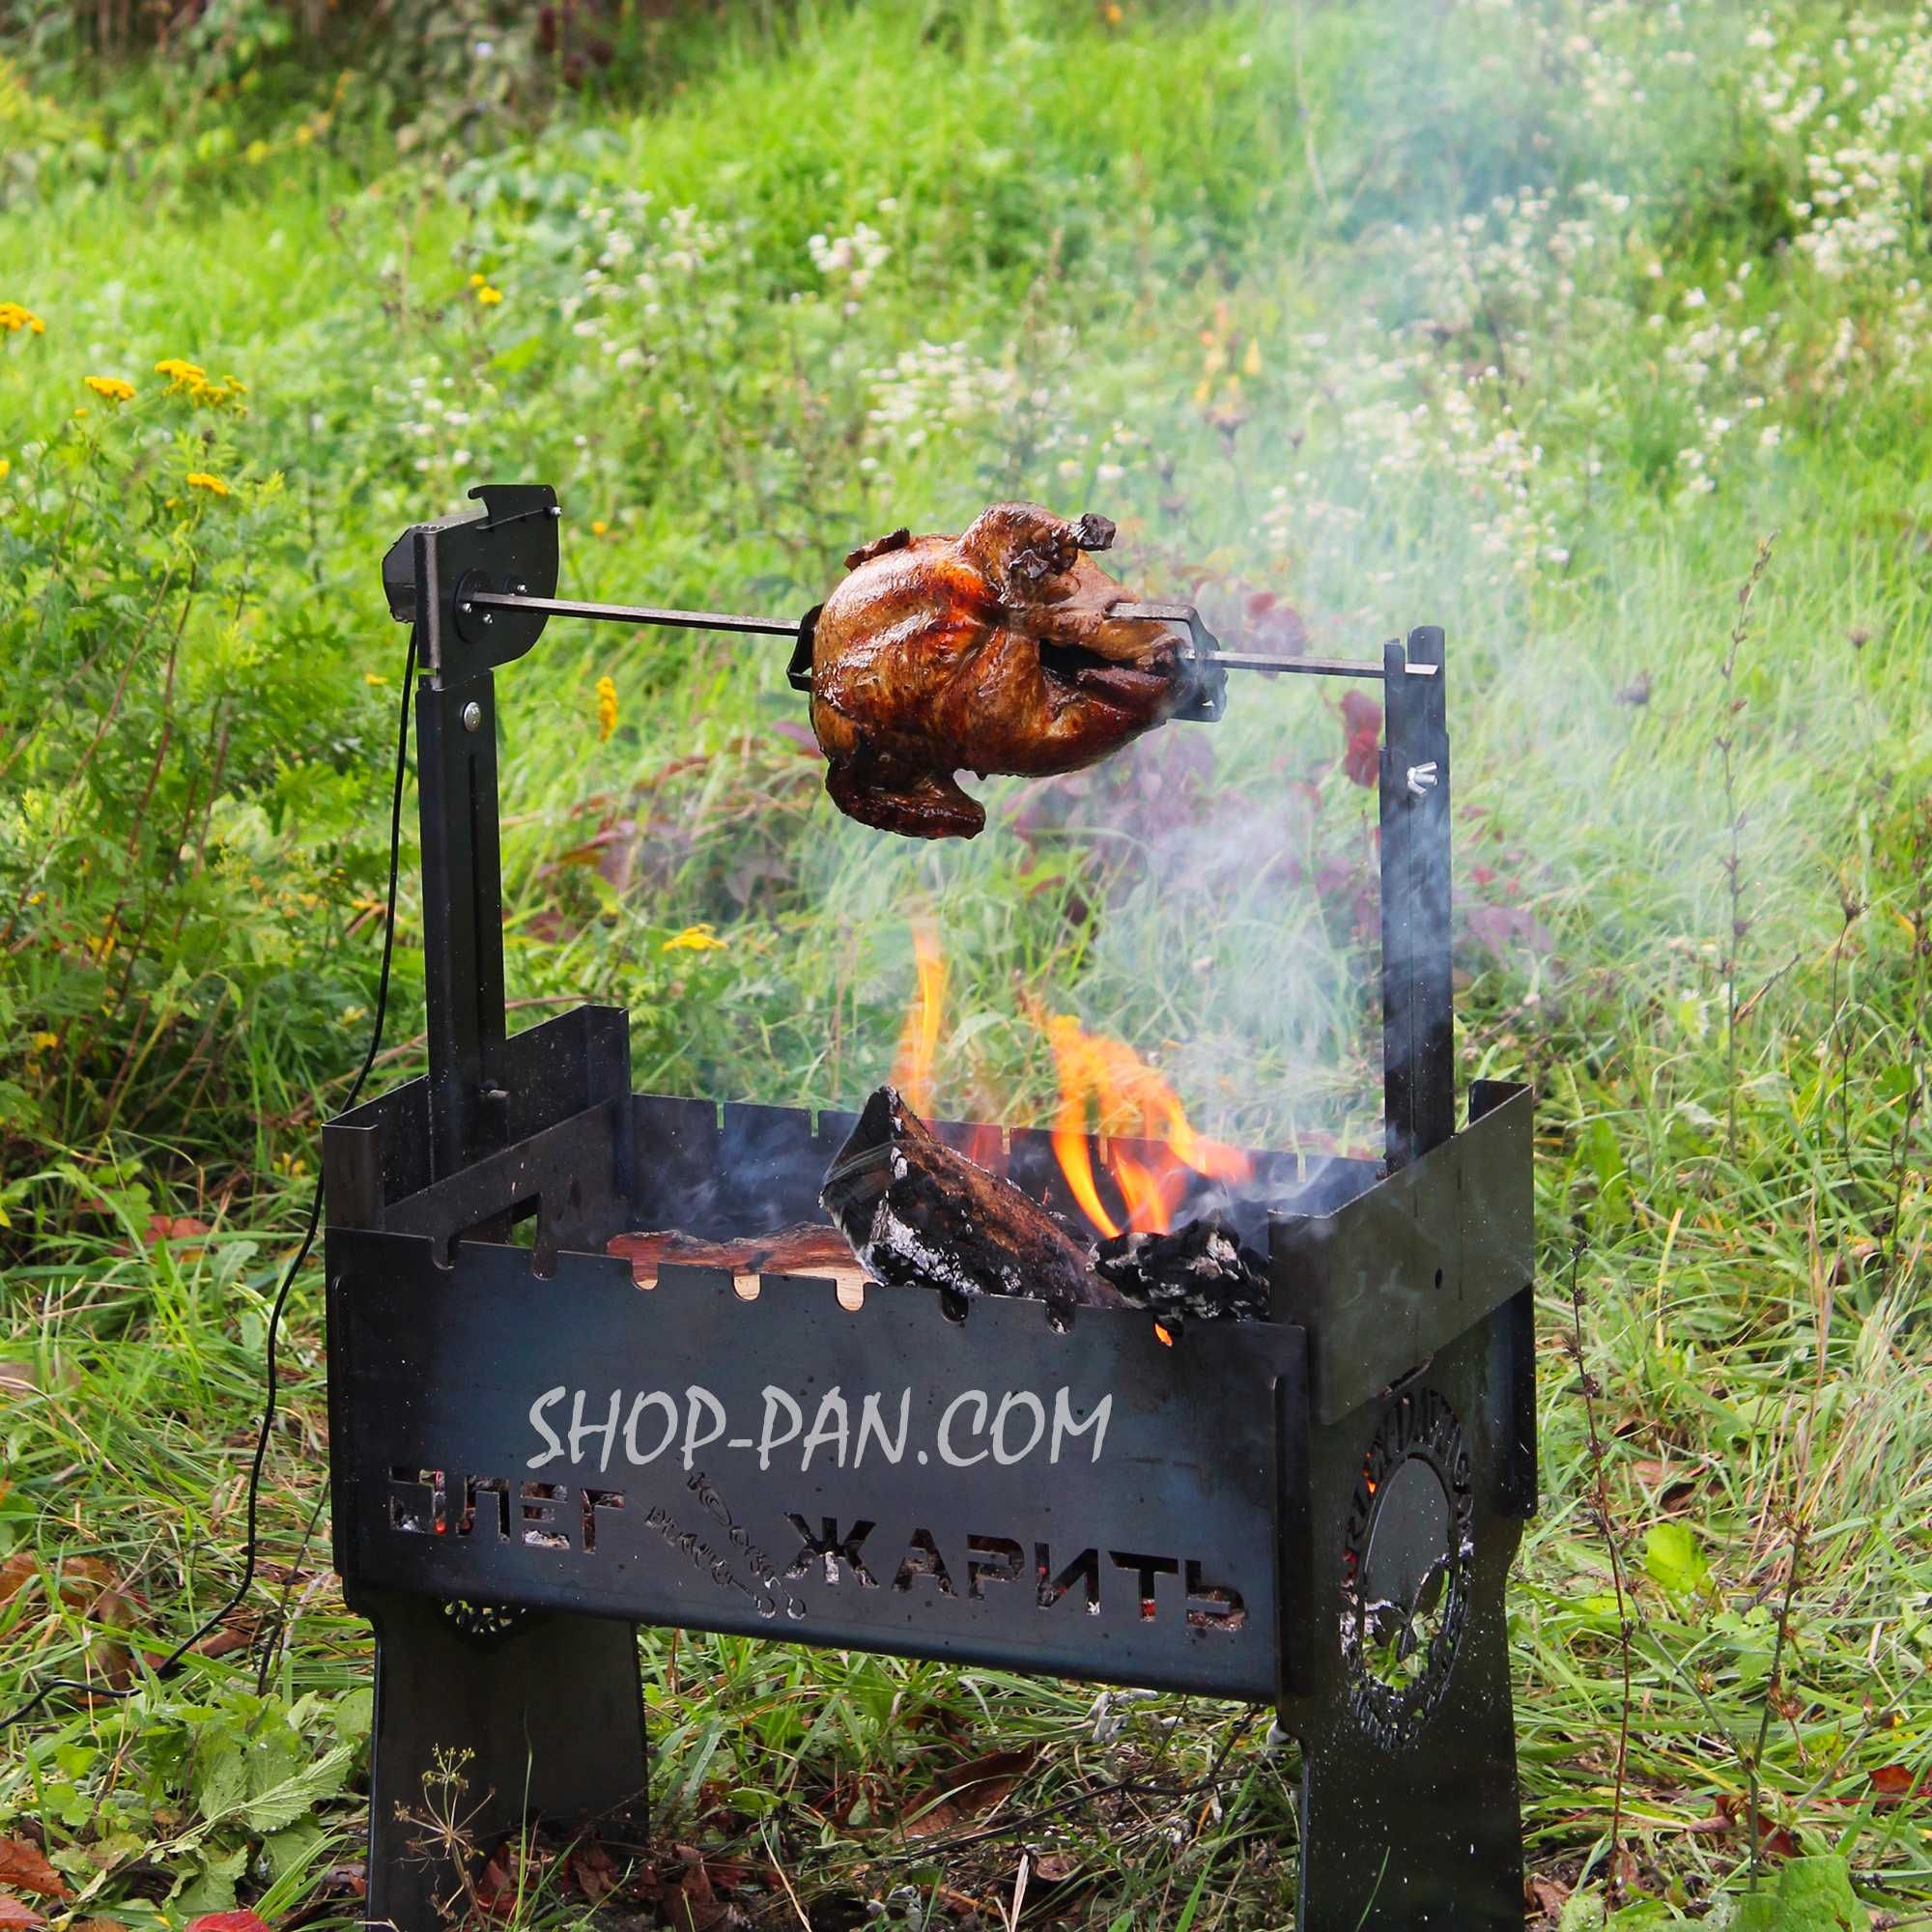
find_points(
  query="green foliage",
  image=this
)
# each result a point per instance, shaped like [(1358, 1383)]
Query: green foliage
[(1809, 1895), (228, 1785), (1671, 1557), (155, 766)]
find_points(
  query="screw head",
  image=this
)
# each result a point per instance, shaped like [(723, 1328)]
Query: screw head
[(473, 716)]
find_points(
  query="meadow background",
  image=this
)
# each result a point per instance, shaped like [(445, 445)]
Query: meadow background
[(1595, 333)]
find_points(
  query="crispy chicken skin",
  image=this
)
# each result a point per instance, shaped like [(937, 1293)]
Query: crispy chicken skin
[(986, 652)]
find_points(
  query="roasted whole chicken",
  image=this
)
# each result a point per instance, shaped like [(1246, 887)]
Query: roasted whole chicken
[(992, 651)]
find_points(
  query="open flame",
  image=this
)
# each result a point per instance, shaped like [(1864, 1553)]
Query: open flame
[(1106, 1087), (919, 1038)]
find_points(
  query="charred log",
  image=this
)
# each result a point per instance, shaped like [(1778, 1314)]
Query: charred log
[(1200, 1272), (912, 1213), (919, 1215), (806, 1247)]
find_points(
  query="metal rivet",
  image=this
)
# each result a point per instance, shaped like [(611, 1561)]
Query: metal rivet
[(473, 716)]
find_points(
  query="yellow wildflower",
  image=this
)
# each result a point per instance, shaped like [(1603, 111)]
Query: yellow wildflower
[(1112, 12), (256, 153), (191, 380), (607, 708), (13, 318), (305, 134), (477, 281), (199, 479), (375, 680), (488, 297), (695, 939), (113, 387), (43, 1042), (5, 468), (599, 528)]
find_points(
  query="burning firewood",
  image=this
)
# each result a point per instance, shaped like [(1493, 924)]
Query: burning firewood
[(1200, 1272), (806, 1247), (912, 1213), (919, 1215)]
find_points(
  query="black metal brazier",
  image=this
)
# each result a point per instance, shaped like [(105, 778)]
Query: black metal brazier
[(530, 1455)]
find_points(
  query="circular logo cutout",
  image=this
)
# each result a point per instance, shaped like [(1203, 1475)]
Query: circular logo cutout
[(1408, 1561)]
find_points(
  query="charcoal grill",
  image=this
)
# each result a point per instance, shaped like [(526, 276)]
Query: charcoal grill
[(531, 1456)]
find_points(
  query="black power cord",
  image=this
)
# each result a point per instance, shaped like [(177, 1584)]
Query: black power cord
[(271, 1384)]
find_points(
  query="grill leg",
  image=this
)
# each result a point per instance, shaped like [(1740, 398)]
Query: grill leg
[(552, 1717), (1409, 1814), (1429, 1838)]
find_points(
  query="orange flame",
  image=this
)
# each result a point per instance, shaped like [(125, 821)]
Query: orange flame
[(919, 1038), (1106, 1087)]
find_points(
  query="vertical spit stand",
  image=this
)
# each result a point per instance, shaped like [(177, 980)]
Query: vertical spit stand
[(531, 1456)]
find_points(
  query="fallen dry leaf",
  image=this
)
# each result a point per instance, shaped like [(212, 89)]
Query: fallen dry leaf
[(1730, 1815), (97, 1925), (227, 1921), (16, 1912), (689, 1904), (222, 1642), (1895, 1784), (967, 1792), (174, 1228), (595, 1871), (1055, 1868), (496, 1885), (1674, 1483), (92, 1588), (83, 1578), (18, 1570), (1549, 1895), (24, 1866)]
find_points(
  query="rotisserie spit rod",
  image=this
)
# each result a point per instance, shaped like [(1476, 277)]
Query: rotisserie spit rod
[(1205, 648)]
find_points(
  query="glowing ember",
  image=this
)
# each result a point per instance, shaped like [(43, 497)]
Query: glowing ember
[(1106, 1087)]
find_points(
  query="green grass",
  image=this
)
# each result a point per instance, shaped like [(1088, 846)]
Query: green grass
[(1241, 278)]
